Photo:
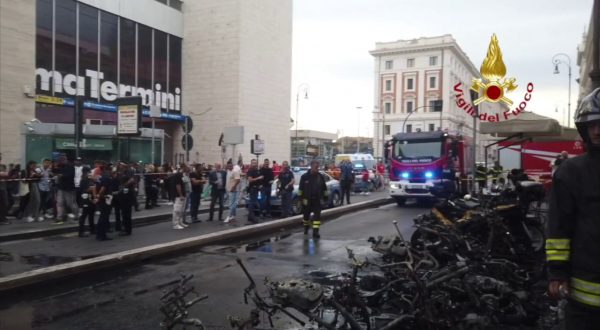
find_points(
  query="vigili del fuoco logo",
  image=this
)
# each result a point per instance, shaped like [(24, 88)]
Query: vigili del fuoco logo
[(493, 87)]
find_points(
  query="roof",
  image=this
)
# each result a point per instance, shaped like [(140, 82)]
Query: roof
[(527, 123)]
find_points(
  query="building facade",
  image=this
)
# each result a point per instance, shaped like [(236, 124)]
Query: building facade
[(414, 88), (588, 55), (308, 144), (205, 64)]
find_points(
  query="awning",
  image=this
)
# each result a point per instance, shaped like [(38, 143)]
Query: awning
[(87, 144), (528, 123)]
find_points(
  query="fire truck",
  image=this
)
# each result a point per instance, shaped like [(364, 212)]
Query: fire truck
[(424, 165)]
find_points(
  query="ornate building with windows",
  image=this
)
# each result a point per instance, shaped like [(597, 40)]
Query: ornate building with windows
[(414, 81), (206, 64)]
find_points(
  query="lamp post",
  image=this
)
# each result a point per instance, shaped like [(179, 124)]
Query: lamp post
[(305, 88), (358, 131), (410, 113), (556, 61)]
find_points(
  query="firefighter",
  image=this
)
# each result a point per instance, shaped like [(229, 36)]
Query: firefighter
[(312, 191), (573, 243)]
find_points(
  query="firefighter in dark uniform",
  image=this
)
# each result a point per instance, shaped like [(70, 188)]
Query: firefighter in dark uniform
[(312, 191), (573, 243)]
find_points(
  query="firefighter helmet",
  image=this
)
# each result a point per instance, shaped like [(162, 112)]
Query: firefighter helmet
[(588, 110)]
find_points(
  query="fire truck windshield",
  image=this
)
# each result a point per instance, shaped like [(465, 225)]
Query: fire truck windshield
[(417, 150)]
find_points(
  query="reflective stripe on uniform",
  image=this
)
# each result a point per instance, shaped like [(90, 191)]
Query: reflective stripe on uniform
[(557, 255), (585, 298), (589, 287), (316, 224), (305, 222), (558, 244)]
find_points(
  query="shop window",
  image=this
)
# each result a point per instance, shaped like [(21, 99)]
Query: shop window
[(88, 44), (109, 51), (127, 72), (64, 41)]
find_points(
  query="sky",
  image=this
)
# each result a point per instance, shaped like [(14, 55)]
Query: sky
[(332, 40)]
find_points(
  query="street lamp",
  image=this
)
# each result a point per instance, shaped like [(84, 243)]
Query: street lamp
[(556, 61), (410, 113), (358, 131), (305, 88)]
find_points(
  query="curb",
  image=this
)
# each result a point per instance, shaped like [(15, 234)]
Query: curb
[(38, 276), (136, 222)]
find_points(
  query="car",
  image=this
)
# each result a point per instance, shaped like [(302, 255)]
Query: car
[(333, 186)]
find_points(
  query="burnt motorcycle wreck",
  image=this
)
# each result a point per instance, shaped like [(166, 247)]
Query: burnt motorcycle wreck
[(469, 264)]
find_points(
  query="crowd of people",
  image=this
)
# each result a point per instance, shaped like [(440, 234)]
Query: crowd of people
[(60, 191)]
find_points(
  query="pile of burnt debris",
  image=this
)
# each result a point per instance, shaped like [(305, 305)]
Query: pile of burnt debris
[(470, 264)]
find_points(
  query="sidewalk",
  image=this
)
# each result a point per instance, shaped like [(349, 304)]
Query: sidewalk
[(20, 229), (24, 255)]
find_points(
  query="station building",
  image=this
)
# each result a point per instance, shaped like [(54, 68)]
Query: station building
[(219, 63)]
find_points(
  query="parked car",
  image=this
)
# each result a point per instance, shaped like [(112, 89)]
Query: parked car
[(332, 184)]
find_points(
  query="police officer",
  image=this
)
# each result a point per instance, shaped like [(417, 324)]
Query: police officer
[(125, 197), (103, 200), (573, 243), (115, 185), (312, 191)]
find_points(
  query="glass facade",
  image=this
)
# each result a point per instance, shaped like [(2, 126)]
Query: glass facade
[(82, 50)]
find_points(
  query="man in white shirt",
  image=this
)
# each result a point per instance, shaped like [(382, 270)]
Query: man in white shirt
[(232, 186)]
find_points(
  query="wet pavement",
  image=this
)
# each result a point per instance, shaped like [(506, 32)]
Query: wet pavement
[(130, 298), (25, 255)]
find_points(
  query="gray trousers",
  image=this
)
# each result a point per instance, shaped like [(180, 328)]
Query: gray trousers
[(66, 199)]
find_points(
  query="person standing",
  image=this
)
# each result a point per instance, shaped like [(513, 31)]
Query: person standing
[(103, 200), (217, 180), (65, 195), (573, 243), (232, 185), (267, 182), (312, 191), (347, 178), (254, 184), (180, 198), (87, 205), (125, 198), (78, 173), (286, 188), (197, 180), (45, 187), (115, 187), (32, 210), (3, 193)]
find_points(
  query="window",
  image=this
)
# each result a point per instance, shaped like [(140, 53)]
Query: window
[(410, 62), (408, 128), (409, 84), (175, 68), (431, 127), (127, 52), (144, 58), (160, 64), (389, 65), (409, 106), (64, 42), (386, 130), (388, 85), (43, 39), (435, 105), (433, 60), (432, 82), (388, 108), (109, 51)]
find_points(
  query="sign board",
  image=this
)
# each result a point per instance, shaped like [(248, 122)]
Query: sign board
[(154, 111), (257, 147), (129, 115), (233, 135), (312, 150)]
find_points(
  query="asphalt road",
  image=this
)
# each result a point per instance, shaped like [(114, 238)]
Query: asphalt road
[(129, 298)]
